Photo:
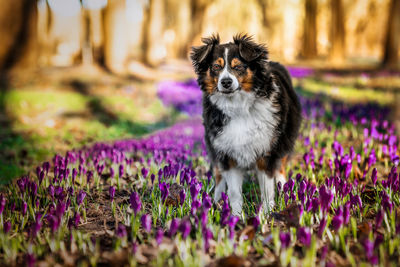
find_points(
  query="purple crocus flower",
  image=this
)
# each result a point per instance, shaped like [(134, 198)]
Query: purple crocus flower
[(355, 201), (74, 174), (22, 184), (24, 208), (112, 172), (325, 198), (374, 176), (7, 227), (136, 203), (134, 247), (322, 226), (121, 170), (182, 196), (194, 190), (3, 202), (256, 222), (30, 260), (80, 197), (51, 190), (46, 167), (285, 239), (121, 231), (146, 222), (379, 218), (207, 203), (152, 178), (337, 221), (195, 205), (77, 219), (346, 213), (111, 192), (60, 209), (173, 227), (164, 188), (378, 241), (36, 226), (207, 235), (368, 248), (304, 235), (89, 177), (203, 218), (38, 170), (145, 172), (226, 211), (33, 188), (54, 223), (185, 228), (159, 236), (231, 224)]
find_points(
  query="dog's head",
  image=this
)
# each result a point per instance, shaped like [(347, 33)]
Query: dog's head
[(227, 68)]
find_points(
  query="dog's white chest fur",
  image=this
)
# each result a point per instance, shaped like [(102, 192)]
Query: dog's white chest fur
[(250, 130)]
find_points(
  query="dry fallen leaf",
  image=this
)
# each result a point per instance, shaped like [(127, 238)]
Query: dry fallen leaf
[(290, 216), (248, 233), (231, 261)]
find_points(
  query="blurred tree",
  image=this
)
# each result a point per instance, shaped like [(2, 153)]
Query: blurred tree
[(152, 32), (337, 33), (115, 39), (268, 29), (178, 26), (309, 45), (87, 48), (18, 31), (392, 41), (198, 12), (45, 42)]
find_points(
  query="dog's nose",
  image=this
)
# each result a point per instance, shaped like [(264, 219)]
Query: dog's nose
[(226, 82)]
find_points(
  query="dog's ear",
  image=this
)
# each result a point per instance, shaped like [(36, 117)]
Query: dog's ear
[(199, 54), (248, 49)]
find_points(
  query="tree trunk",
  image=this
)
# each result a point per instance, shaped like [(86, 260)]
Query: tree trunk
[(267, 32), (199, 8), (337, 32), (115, 39), (87, 48), (392, 41), (152, 32), (44, 42), (309, 48), (183, 27), (18, 31)]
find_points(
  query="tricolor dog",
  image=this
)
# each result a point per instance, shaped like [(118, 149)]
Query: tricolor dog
[(251, 115)]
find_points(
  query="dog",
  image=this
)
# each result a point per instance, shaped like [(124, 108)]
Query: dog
[(251, 115)]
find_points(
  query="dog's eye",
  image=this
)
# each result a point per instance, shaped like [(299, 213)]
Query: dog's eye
[(216, 67), (239, 68)]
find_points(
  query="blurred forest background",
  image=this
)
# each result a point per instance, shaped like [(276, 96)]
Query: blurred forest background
[(77, 71), (122, 34)]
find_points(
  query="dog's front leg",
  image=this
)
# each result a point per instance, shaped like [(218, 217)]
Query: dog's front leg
[(234, 179), (267, 188)]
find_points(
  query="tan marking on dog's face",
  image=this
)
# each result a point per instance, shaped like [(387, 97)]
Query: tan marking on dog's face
[(211, 83), (246, 81), (220, 61), (235, 62)]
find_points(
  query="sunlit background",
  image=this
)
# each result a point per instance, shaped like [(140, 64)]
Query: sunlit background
[(155, 32)]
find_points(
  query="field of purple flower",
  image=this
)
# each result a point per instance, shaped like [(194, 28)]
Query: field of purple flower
[(149, 201)]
